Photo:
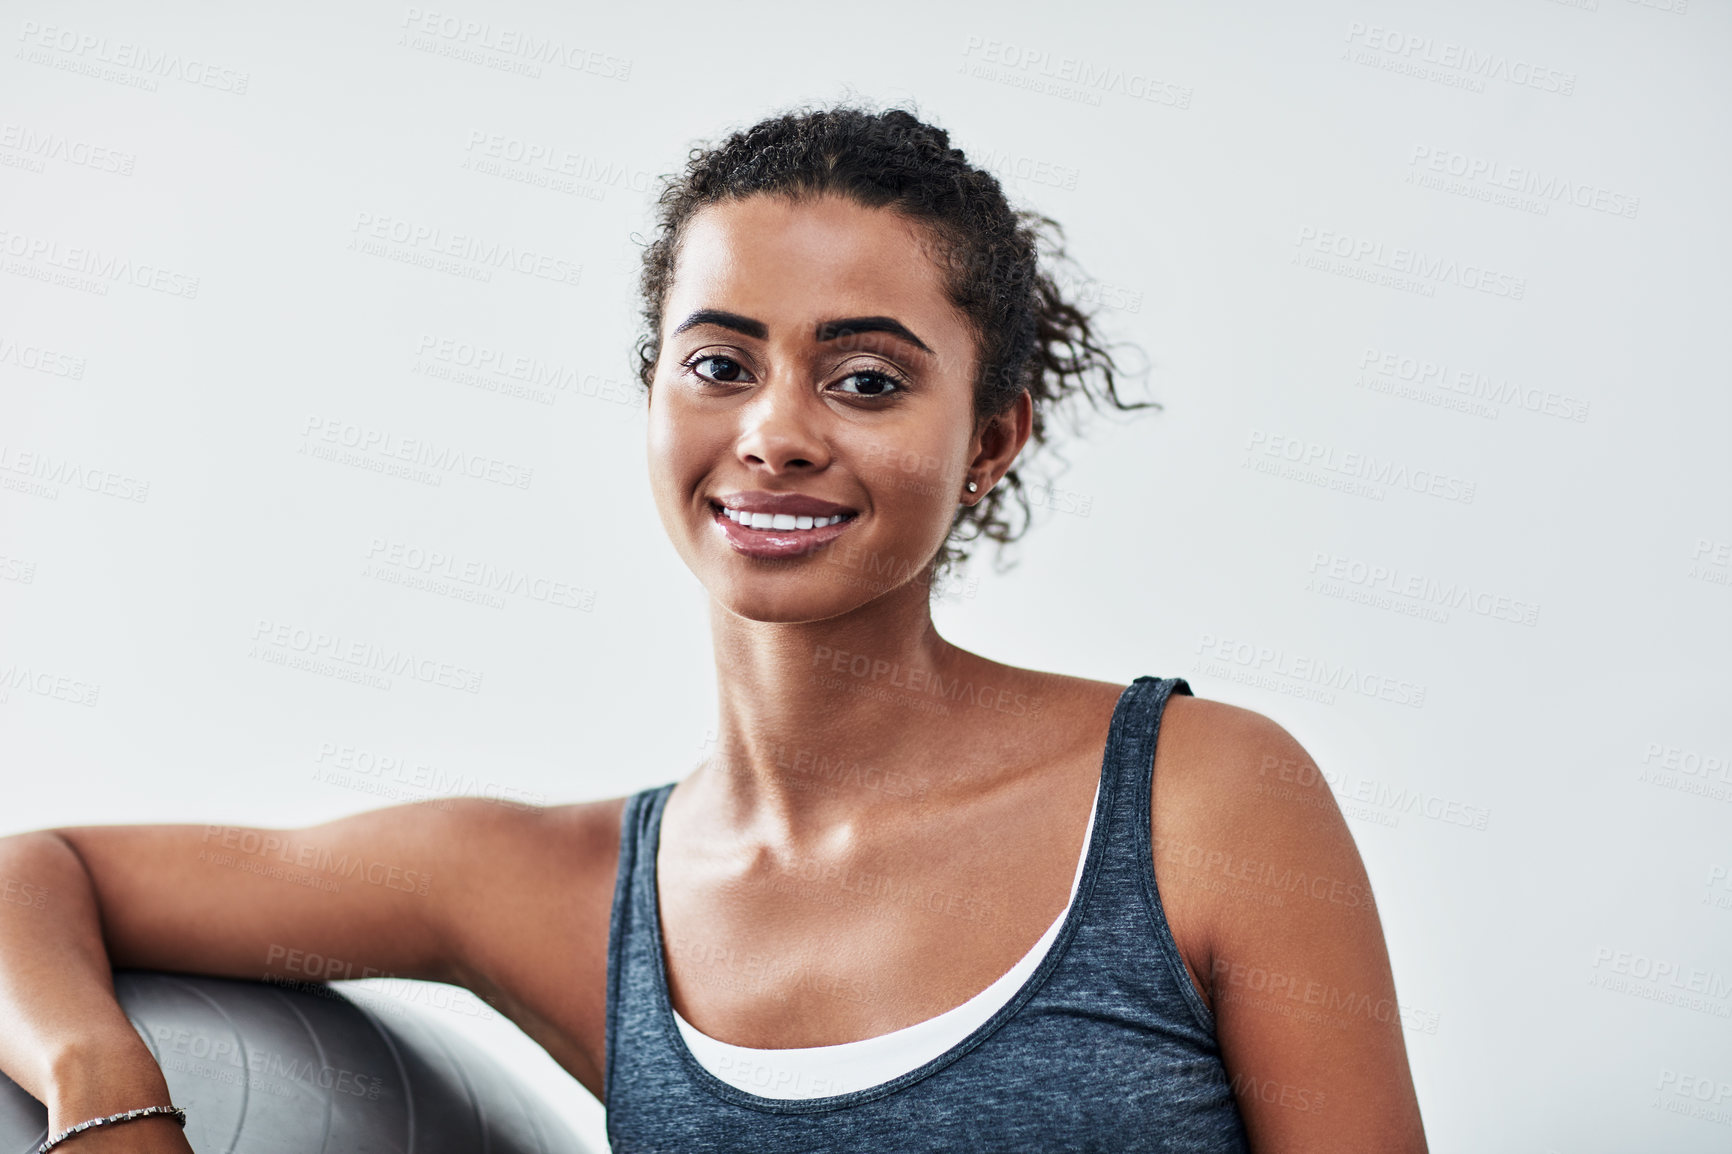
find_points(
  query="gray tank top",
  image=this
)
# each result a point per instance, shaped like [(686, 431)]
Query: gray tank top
[(1106, 1047)]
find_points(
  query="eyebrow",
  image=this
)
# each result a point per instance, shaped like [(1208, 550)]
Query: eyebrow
[(826, 330)]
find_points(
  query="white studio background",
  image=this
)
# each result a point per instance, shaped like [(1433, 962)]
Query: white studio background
[(1434, 296)]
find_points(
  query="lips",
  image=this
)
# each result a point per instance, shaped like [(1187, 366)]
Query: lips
[(798, 504), (798, 523)]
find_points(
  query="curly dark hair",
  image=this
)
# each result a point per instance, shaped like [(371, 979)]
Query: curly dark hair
[(1029, 338)]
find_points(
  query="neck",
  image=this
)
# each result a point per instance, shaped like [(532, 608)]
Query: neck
[(821, 722)]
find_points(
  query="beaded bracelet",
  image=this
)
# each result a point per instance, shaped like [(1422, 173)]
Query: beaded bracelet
[(178, 1114)]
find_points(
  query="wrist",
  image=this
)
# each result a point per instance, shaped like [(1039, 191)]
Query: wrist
[(143, 1114), (101, 1077)]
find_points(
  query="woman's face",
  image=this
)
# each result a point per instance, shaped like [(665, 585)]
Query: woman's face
[(812, 367)]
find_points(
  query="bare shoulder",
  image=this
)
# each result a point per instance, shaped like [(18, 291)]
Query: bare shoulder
[(1238, 763), (1230, 773), (1271, 907), (1222, 732), (512, 835), (1244, 830), (521, 863), (531, 912)]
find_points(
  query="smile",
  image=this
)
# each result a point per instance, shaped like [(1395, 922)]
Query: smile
[(779, 520), (772, 535)]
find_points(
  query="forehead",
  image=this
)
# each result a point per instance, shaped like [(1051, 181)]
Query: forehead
[(772, 257)]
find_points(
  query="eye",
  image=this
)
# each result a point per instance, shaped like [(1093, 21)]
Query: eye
[(872, 383), (730, 372)]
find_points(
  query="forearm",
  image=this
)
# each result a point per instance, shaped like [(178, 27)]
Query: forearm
[(63, 1036)]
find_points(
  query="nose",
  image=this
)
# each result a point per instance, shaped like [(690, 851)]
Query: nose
[(782, 431)]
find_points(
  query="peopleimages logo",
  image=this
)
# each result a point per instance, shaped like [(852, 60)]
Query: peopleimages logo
[(105, 267), (23, 678), (1357, 468), (39, 146), (1470, 384), (1070, 76), (1422, 588), (281, 643), (1661, 979), (1408, 262), (52, 472), (494, 366), (150, 63), (1415, 49), (374, 234), (482, 576), (1269, 664), (38, 359), (1521, 180), (519, 44), (556, 160), (323, 437)]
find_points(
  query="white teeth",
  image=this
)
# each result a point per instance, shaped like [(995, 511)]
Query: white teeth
[(777, 520)]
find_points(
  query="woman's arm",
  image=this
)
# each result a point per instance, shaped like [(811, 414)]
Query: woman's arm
[(63, 1036), (370, 895), (1285, 939)]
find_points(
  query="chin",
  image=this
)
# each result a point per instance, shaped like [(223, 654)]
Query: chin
[(791, 598), (830, 581)]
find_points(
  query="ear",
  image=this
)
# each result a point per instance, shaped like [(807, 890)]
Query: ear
[(998, 442)]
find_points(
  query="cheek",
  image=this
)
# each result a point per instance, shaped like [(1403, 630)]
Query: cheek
[(658, 438), (915, 473), (668, 457), (907, 474), (683, 448)]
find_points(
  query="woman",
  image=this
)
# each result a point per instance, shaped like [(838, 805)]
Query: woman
[(917, 899)]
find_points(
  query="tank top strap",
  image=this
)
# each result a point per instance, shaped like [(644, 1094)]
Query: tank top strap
[(1130, 761), (627, 979), (1125, 917)]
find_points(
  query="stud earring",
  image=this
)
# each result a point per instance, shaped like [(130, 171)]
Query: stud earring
[(973, 488)]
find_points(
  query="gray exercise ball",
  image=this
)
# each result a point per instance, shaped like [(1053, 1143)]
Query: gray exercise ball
[(268, 1069)]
